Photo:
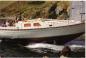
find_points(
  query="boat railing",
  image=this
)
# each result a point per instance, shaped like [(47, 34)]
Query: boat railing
[(67, 21)]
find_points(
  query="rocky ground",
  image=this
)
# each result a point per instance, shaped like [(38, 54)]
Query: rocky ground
[(8, 49)]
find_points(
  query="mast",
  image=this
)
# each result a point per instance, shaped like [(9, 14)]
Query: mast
[(77, 10), (82, 11)]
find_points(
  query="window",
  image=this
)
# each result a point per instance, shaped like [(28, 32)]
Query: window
[(37, 24), (27, 25)]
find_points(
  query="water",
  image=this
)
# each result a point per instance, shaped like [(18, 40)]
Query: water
[(9, 49)]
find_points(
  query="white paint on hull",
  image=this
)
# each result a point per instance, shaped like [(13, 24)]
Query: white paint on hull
[(44, 32)]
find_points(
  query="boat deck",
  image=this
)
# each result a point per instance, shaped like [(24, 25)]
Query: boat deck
[(57, 23)]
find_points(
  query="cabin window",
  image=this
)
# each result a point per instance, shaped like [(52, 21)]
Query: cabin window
[(27, 25), (37, 24)]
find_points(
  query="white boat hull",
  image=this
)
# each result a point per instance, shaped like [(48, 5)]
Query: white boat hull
[(43, 32)]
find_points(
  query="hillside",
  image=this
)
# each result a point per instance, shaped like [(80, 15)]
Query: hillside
[(30, 8)]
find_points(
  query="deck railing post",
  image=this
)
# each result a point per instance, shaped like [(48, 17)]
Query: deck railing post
[(82, 9)]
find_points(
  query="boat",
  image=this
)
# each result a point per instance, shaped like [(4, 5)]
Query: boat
[(42, 28)]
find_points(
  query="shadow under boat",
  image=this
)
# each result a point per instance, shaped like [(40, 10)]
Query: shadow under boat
[(60, 40)]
